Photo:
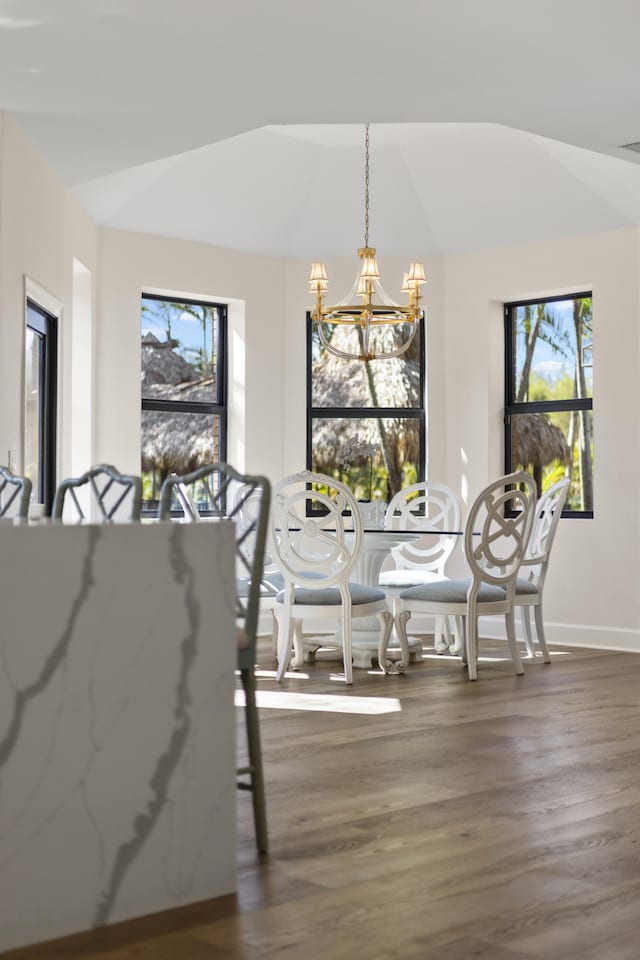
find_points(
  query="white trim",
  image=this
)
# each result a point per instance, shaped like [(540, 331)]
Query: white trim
[(51, 305), (623, 639), (40, 296)]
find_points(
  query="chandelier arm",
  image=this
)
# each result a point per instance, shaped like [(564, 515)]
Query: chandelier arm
[(374, 355), (389, 355), (335, 351)]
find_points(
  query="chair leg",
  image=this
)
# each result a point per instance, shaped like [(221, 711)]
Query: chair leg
[(471, 623), (540, 632), (274, 633), (458, 647), (347, 655), (298, 645), (513, 646), (461, 633), (285, 644), (525, 615), (440, 635), (255, 760)]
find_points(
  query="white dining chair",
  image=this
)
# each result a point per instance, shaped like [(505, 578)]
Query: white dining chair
[(102, 494), (244, 500), (15, 494), (533, 570), (435, 510), (495, 541), (316, 539)]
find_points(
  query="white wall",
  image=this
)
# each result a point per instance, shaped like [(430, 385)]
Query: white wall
[(253, 286), (42, 230), (591, 594), (594, 573)]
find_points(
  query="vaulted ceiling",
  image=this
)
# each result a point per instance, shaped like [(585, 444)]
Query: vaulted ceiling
[(240, 123)]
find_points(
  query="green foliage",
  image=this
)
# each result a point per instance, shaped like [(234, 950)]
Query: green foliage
[(356, 478)]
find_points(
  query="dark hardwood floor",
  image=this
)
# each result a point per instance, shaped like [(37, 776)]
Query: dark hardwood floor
[(425, 817)]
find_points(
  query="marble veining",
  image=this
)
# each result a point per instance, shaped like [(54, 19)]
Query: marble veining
[(56, 657), (117, 795), (167, 762)]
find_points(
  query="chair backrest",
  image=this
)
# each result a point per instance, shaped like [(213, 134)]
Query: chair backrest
[(186, 501), (543, 532), (432, 508), (245, 500), (498, 529), (115, 496), (316, 530), (15, 493)]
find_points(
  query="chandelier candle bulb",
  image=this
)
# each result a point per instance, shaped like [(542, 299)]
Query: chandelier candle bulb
[(318, 280)]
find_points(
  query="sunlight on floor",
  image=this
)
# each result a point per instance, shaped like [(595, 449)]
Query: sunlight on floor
[(325, 703), (289, 675)]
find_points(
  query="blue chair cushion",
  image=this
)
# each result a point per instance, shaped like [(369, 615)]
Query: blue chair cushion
[(525, 586), (330, 596), (271, 583), (407, 578), (452, 591)]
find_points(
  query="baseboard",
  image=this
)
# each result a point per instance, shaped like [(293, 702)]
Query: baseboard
[(623, 639)]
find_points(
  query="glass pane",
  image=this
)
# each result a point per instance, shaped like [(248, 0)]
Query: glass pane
[(179, 345), (33, 401), (374, 458), (354, 383), (553, 445), (176, 443), (553, 351)]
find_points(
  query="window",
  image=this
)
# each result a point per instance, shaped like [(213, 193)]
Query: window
[(184, 417), (40, 403), (365, 420), (549, 394)]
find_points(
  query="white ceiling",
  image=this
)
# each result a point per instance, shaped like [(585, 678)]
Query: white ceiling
[(492, 123)]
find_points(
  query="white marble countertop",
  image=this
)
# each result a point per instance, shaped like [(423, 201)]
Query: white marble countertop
[(117, 752)]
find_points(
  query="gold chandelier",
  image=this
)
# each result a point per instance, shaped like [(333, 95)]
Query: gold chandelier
[(366, 317)]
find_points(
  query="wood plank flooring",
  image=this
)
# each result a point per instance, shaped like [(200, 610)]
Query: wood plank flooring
[(497, 820)]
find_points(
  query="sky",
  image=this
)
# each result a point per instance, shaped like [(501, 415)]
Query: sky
[(184, 327), (549, 363)]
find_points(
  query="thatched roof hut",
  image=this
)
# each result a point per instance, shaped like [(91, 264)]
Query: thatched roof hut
[(536, 443), (379, 383), (178, 442), (174, 442), (161, 364)]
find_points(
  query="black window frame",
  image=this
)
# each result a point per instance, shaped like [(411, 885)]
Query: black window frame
[(512, 409), (45, 326), (366, 413), (217, 407)]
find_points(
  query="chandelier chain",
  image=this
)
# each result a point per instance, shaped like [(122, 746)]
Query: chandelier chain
[(366, 187)]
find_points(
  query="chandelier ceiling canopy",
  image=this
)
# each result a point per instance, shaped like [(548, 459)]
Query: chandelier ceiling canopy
[(368, 316)]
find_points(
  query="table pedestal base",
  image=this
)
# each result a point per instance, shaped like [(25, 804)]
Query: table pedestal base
[(365, 645), (365, 655)]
